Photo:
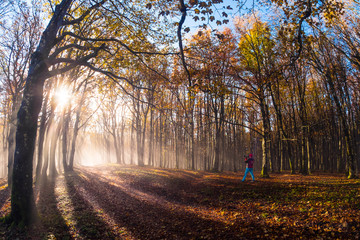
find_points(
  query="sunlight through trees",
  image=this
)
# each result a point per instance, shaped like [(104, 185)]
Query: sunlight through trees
[(86, 83)]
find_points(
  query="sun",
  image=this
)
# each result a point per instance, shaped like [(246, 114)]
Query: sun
[(62, 97)]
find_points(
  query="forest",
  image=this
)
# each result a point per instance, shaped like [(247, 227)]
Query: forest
[(152, 96)]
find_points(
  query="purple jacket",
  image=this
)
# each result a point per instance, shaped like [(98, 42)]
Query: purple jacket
[(249, 162)]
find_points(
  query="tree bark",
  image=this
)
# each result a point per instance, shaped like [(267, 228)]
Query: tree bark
[(54, 142), (151, 138), (41, 139), (350, 156), (65, 133), (73, 140), (265, 138), (22, 197), (11, 146)]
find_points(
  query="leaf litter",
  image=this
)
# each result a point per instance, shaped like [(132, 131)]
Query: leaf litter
[(128, 202)]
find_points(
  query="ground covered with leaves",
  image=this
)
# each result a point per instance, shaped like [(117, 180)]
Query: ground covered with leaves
[(122, 202)]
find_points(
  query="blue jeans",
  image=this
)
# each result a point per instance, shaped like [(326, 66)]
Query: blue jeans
[(249, 170)]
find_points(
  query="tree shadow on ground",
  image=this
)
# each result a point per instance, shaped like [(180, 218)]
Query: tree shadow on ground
[(88, 224), (142, 217), (50, 216), (4, 197), (203, 187), (265, 207)]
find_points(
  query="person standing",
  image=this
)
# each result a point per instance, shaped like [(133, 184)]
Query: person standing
[(249, 167)]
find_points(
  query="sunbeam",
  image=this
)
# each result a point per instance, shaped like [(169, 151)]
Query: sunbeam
[(62, 97)]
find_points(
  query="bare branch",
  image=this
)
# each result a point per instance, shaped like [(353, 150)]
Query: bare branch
[(112, 40), (112, 76), (299, 36), (61, 49), (125, 46), (73, 62), (182, 20)]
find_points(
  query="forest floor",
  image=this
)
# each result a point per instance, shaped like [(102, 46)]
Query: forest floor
[(128, 202)]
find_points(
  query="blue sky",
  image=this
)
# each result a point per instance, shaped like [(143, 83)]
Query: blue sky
[(239, 7)]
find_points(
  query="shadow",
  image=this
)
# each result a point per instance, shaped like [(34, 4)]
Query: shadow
[(163, 204), (174, 187), (204, 188), (50, 216), (87, 222), (3, 183), (4, 210), (144, 218), (4, 196)]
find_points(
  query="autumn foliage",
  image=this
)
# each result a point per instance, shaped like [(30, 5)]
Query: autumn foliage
[(141, 86)]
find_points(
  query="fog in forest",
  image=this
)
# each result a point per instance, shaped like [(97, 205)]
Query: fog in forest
[(235, 91)]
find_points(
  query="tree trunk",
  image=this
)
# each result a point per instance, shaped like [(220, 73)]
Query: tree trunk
[(53, 144), (350, 156), (65, 139), (151, 138), (122, 140), (132, 144), (116, 146), (11, 146), (73, 140), (291, 158), (139, 142), (143, 134), (22, 197), (177, 140), (217, 147), (281, 152), (192, 139), (265, 139), (41, 139), (45, 157), (235, 147), (161, 140), (217, 138), (304, 169), (11, 137)]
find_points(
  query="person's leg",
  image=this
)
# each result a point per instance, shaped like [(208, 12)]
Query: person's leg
[(252, 174), (246, 172)]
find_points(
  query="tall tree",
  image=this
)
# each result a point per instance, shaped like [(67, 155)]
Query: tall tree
[(65, 26), (256, 53), (18, 40), (22, 199)]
